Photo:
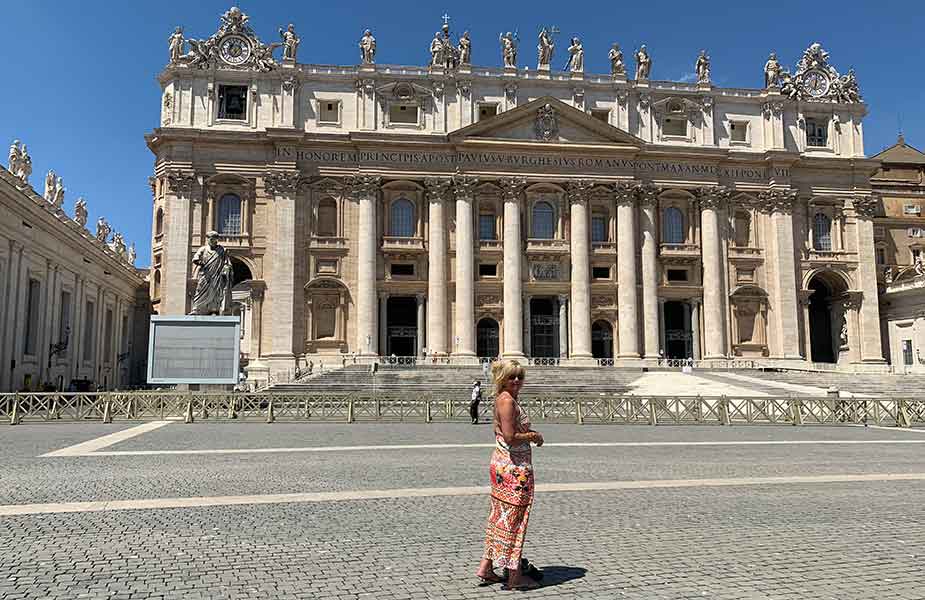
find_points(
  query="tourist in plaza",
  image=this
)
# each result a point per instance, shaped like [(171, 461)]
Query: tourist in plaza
[(475, 401), (511, 474)]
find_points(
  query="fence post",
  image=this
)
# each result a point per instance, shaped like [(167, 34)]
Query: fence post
[(350, 410), (205, 407), (107, 409), (653, 416), (724, 411), (14, 416), (579, 418), (796, 411), (189, 410), (427, 416), (271, 413), (53, 413), (232, 404), (902, 414)]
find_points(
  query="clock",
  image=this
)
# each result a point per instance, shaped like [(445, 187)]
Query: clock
[(816, 84), (235, 50)]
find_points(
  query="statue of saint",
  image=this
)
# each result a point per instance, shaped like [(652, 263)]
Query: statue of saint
[(576, 60), (25, 165), (368, 48), (544, 50), (290, 42), (465, 49), (175, 45), (643, 63), (80, 212), (118, 245), (50, 183), (772, 71), (617, 67), (436, 51), (702, 67), (132, 255), (213, 278), (13, 164), (102, 230), (59, 193), (509, 49)]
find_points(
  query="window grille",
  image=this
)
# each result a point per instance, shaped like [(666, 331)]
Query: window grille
[(402, 218), (229, 215), (673, 226), (543, 221)]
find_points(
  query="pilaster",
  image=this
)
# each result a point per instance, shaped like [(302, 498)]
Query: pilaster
[(283, 188), (176, 271)]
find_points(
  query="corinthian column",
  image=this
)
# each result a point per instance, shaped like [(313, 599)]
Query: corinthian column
[(437, 189), (578, 192), (365, 189), (283, 187), (648, 200), (712, 203), (464, 188), (513, 257), (626, 271)]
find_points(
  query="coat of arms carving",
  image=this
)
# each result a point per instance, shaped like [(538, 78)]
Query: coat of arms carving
[(546, 126)]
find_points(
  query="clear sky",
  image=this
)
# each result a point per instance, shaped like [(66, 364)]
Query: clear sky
[(79, 83)]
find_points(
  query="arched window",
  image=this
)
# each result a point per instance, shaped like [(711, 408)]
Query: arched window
[(673, 226), (743, 225), (229, 215), (544, 227), (156, 293), (159, 222), (402, 218), (822, 232), (327, 218), (598, 228)]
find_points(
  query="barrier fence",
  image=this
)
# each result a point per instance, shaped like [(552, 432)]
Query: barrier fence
[(428, 407)]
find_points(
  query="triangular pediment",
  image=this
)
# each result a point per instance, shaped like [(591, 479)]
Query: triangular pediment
[(901, 153), (546, 120)]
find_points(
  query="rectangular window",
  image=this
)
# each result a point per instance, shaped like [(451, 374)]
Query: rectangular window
[(602, 115), (32, 317), (402, 269), (738, 131), (817, 133), (232, 102), (486, 111), (912, 209), (328, 111), (676, 126), (403, 114), (488, 270), (487, 227), (89, 328), (881, 256), (107, 337), (907, 352), (600, 272), (677, 274), (598, 229)]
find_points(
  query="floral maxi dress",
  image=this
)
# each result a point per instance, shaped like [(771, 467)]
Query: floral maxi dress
[(511, 473)]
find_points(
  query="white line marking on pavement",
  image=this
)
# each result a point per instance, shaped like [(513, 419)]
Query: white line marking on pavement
[(90, 446), (297, 498), (903, 429), (458, 446)]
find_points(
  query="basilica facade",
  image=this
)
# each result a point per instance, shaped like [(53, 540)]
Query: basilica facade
[(460, 211)]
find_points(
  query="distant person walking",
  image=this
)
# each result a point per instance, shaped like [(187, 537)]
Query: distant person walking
[(511, 474), (475, 401)]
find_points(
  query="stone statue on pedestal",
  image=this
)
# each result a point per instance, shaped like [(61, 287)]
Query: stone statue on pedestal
[(118, 245), (132, 255), (20, 164), (368, 48), (643, 63), (702, 67), (509, 49), (50, 183), (102, 230), (617, 67), (465, 49), (290, 42), (576, 60), (544, 50), (175, 44), (59, 193), (436, 51), (772, 71), (80, 212), (13, 164), (213, 279)]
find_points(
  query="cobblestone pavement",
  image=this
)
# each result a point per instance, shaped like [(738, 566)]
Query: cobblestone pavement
[(835, 541)]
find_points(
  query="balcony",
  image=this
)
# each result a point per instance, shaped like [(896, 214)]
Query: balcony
[(741, 252), (812, 254), (538, 246), (403, 245), (240, 240), (490, 246), (604, 248), (327, 243)]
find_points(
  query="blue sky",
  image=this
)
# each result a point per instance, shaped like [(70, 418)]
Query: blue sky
[(79, 82)]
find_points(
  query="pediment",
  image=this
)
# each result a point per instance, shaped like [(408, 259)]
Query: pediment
[(546, 120)]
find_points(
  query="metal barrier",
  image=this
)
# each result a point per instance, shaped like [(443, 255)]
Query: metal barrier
[(449, 406)]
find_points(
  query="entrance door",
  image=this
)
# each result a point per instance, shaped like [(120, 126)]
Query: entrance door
[(402, 318), (602, 339), (544, 322), (486, 334), (677, 330), (820, 322)]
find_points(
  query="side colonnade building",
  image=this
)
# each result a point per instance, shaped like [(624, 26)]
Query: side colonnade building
[(465, 211)]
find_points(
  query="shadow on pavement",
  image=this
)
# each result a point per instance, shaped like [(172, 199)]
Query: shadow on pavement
[(558, 574)]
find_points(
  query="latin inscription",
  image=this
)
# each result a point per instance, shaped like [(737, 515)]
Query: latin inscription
[(509, 159)]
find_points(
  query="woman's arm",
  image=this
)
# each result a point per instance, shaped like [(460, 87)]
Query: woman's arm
[(507, 414)]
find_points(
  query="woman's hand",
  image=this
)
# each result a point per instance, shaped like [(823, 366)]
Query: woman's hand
[(537, 438)]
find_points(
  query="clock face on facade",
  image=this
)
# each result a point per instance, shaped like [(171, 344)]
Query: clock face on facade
[(816, 84), (235, 50)]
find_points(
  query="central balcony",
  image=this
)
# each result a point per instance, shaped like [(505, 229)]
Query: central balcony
[(543, 246), (403, 245)]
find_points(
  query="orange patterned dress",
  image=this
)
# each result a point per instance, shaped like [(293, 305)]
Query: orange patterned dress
[(511, 473)]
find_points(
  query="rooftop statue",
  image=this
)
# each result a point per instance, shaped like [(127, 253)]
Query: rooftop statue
[(213, 278), (368, 48), (617, 67), (772, 72), (545, 49), (132, 255), (508, 49), (643, 63), (50, 183), (290, 42), (576, 60), (58, 200), (102, 230), (436, 51), (80, 212), (175, 45), (465, 49), (702, 67)]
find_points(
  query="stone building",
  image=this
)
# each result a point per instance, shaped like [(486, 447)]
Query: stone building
[(73, 308), (899, 234), (469, 211)]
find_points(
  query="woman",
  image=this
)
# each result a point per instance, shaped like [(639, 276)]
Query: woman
[(511, 473)]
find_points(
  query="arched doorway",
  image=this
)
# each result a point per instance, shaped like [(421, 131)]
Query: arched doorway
[(601, 339), (486, 338), (826, 324), (239, 271)]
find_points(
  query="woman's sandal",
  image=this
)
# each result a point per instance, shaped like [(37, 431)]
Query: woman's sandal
[(490, 580), (529, 584)]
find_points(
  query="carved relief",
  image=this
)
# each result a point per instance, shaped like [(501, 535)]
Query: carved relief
[(437, 188), (577, 190), (363, 185), (714, 197), (777, 200), (544, 271), (282, 183), (625, 193), (546, 126), (865, 206), (180, 182), (511, 188), (464, 186)]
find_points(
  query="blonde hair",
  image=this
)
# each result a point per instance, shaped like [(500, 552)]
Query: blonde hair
[(502, 370)]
